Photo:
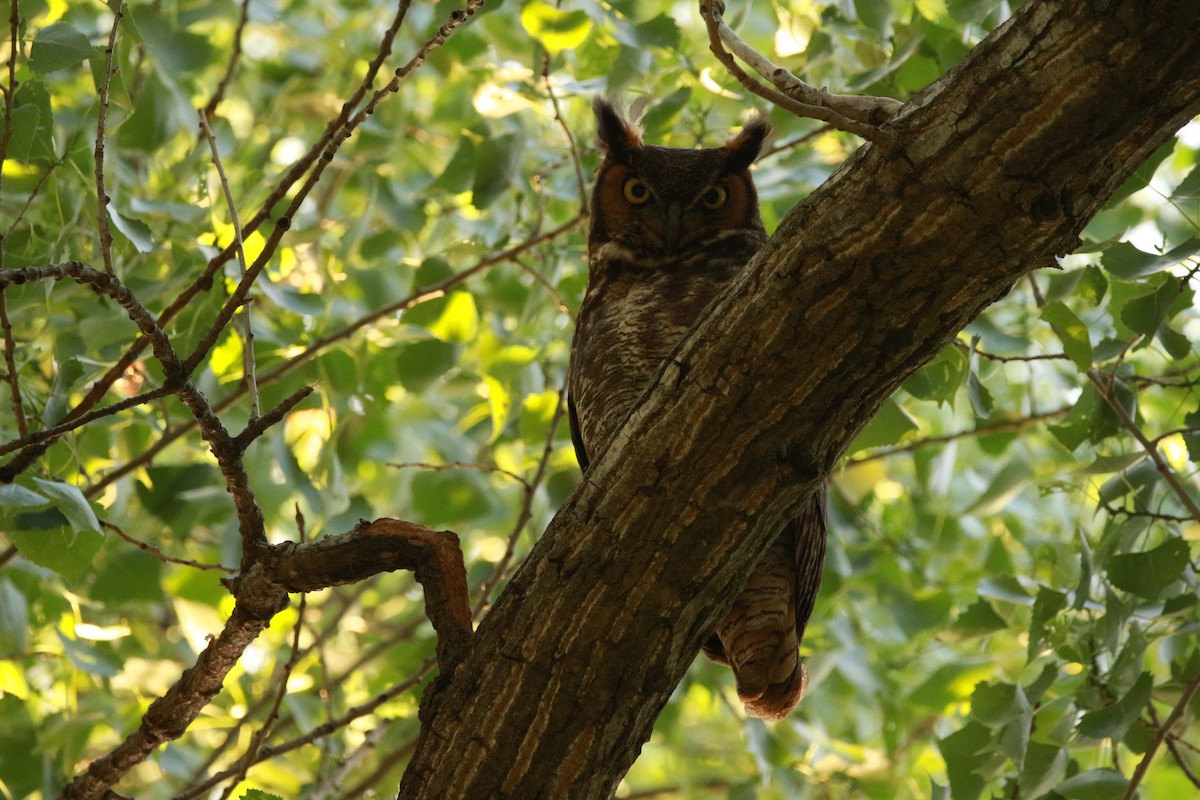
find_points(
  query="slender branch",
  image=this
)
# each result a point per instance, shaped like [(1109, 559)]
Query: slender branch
[(1173, 746), (10, 365), (859, 115), (248, 368), (1003, 426), (159, 554), (1105, 390), (1176, 714), (210, 108), (259, 425), (10, 90), (264, 731), (102, 198), (576, 160), (49, 434)]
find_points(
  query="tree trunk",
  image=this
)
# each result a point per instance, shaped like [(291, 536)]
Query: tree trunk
[(994, 170)]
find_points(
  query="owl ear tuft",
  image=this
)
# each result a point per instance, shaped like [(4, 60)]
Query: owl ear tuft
[(745, 147), (617, 137)]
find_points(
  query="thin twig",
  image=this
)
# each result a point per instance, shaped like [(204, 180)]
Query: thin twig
[(248, 368), (10, 365), (210, 108), (159, 554), (1002, 426), (49, 434), (102, 198), (576, 160), (1176, 713), (1160, 464)]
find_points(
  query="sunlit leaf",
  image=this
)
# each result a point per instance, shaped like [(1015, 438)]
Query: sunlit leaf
[(557, 30)]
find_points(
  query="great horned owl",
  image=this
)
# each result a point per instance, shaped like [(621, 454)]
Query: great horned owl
[(669, 230)]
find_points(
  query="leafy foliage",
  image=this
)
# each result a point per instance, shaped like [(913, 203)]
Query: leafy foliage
[(1010, 603)]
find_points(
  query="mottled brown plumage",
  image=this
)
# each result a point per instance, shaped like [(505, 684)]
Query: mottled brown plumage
[(669, 229)]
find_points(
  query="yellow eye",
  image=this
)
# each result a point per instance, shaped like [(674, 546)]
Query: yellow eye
[(715, 197), (635, 191)]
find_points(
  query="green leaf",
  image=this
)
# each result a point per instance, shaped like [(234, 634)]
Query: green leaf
[(1111, 722), (997, 703), (981, 399), (71, 502), (495, 168), (662, 117), (59, 46), (61, 549), (258, 794), (1043, 767), (443, 498), (1147, 574), (1145, 313), (979, 619), (420, 364), (459, 320), (1047, 605), (1128, 481), (965, 752), (20, 762), (137, 232), (14, 618), (556, 30), (1095, 784), (1072, 332), (1126, 261), (14, 498), (890, 426), (940, 379), (1191, 438)]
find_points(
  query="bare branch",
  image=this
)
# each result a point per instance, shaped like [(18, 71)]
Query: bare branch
[(210, 108), (1002, 426), (102, 198), (10, 366), (159, 554), (1176, 714), (248, 368), (259, 425), (383, 546), (1160, 464), (170, 715), (860, 115)]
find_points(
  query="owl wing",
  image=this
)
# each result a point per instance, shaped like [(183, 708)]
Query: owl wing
[(576, 435)]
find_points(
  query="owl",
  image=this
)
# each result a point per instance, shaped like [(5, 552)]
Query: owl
[(669, 229)]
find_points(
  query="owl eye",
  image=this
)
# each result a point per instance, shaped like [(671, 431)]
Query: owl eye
[(635, 191), (715, 197)]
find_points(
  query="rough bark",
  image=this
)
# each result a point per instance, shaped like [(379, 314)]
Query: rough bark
[(996, 169)]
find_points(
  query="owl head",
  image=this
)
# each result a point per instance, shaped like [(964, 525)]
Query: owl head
[(665, 201)]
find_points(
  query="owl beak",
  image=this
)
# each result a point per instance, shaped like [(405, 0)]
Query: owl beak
[(673, 225)]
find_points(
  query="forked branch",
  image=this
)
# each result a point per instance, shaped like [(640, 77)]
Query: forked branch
[(858, 114)]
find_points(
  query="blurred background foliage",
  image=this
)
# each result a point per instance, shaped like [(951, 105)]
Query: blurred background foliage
[(1010, 601)]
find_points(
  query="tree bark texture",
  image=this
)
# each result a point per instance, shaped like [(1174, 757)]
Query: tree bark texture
[(996, 168)]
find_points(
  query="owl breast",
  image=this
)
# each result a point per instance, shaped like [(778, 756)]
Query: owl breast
[(634, 315)]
